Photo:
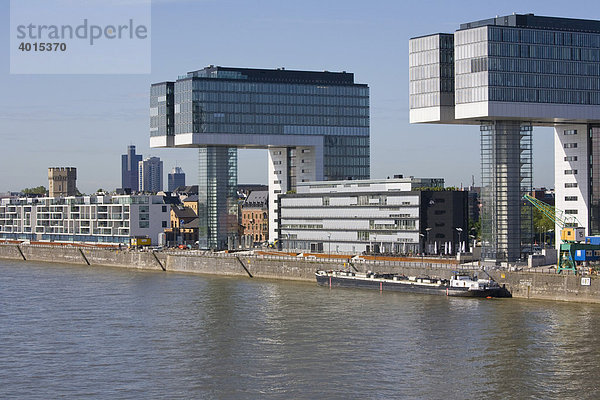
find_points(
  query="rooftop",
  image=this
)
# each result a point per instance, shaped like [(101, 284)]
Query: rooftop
[(538, 22), (279, 75)]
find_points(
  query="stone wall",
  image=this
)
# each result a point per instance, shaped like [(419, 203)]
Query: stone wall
[(548, 286)]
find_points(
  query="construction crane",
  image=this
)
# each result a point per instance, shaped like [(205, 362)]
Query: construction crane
[(574, 246)]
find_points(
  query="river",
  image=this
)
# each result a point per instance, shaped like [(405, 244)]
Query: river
[(109, 333)]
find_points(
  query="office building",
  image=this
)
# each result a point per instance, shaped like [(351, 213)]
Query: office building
[(62, 181), (508, 74), (88, 219), (392, 216), (176, 178), (129, 169), (314, 124), (150, 175)]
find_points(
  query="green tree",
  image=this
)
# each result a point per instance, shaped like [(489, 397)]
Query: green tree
[(40, 190), (541, 224)]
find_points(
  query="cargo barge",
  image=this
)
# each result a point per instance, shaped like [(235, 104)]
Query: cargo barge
[(460, 285)]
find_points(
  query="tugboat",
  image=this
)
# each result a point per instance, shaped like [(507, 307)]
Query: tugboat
[(460, 285)]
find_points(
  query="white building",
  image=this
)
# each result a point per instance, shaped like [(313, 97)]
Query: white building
[(89, 219), (373, 216)]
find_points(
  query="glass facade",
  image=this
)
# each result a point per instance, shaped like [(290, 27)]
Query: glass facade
[(431, 71), (217, 197), (594, 146), (252, 103), (512, 64), (506, 174)]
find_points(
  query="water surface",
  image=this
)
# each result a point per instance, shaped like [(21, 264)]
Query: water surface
[(104, 333)]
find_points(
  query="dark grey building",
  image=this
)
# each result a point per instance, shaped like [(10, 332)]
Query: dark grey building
[(315, 125), (176, 178), (129, 169)]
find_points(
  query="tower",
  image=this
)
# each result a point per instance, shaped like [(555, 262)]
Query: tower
[(150, 175), (176, 178), (62, 181), (129, 169)]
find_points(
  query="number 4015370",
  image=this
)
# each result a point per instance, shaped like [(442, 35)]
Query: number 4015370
[(25, 46)]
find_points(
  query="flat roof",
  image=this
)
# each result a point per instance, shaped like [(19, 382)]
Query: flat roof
[(280, 75), (538, 22)]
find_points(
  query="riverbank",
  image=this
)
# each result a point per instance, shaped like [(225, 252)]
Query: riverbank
[(522, 284)]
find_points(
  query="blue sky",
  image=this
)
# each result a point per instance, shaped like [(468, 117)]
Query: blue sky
[(87, 121)]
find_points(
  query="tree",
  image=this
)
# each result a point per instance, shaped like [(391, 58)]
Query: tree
[(541, 224), (40, 190)]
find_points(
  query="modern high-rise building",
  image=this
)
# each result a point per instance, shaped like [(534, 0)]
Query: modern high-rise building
[(508, 74), (62, 181), (314, 124), (176, 178), (151, 175), (129, 169)]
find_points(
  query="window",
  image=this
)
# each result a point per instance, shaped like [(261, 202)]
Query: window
[(570, 198), (571, 158), (570, 145), (570, 211), (570, 172), (144, 224), (363, 235), (164, 208), (276, 182), (164, 224), (570, 132), (277, 172), (570, 185), (325, 200)]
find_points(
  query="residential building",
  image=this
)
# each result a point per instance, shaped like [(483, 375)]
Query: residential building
[(392, 216), (150, 175), (314, 124), (88, 219), (176, 178), (255, 216), (62, 181), (184, 226), (508, 74), (129, 170)]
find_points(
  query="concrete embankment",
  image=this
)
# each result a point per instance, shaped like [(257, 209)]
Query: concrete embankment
[(548, 286)]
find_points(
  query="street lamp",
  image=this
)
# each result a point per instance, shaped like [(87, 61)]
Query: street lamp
[(422, 250), (459, 230), (427, 231), (329, 244)]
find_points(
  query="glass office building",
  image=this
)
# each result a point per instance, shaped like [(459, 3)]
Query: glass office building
[(315, 125), (512, 73)]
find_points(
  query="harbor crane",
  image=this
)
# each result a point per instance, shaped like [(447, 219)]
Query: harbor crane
[(575, 245)]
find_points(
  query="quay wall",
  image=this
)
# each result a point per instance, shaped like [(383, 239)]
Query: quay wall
[(522, 284)]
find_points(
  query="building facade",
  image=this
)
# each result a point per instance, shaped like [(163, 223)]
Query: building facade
[(391, 216), (315, 125), (176, 178), (87, 219), (255, 217), (511, 73), (62, 181), (130, 169), (150, 175)]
